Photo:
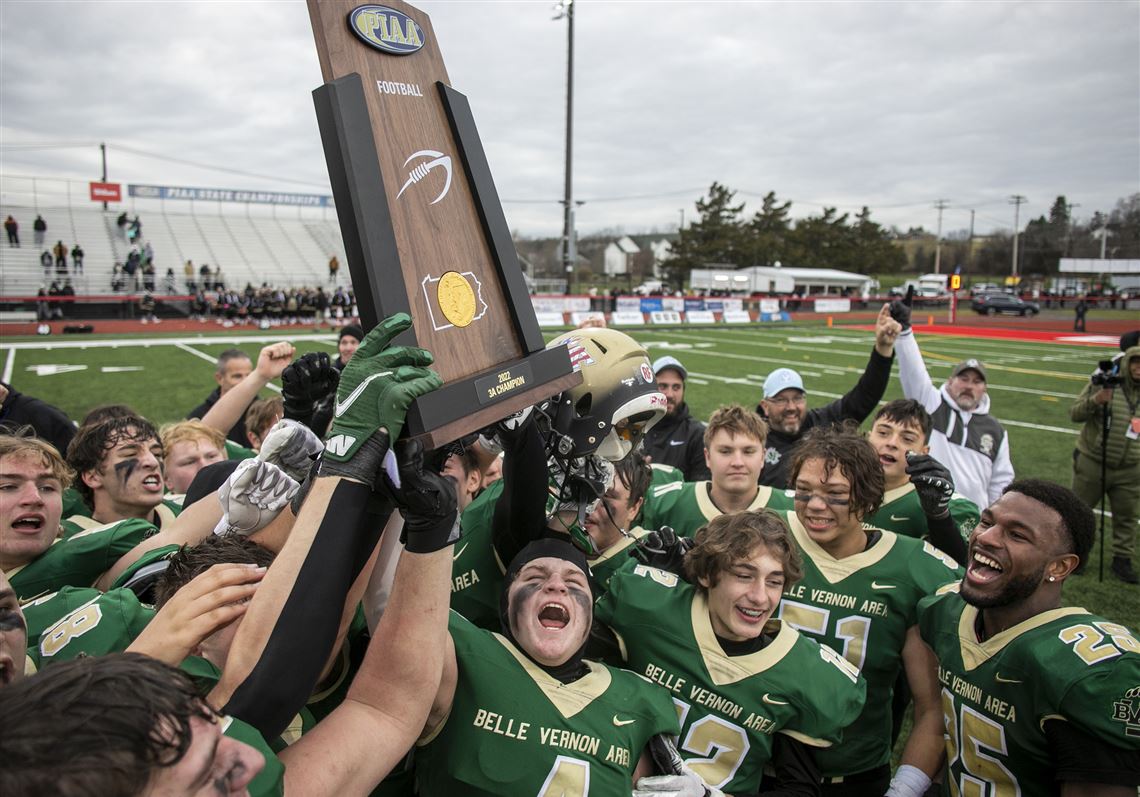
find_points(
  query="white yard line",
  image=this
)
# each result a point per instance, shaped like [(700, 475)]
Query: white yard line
[(214, 360)]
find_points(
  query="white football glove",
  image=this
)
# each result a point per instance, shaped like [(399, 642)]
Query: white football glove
[(253, 495), (683, 783), (291, 446)]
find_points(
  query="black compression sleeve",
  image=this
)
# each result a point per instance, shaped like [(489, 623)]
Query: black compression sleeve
[(520, 512), (797, 774), (1080, 758), (301, 642), (944, 536)]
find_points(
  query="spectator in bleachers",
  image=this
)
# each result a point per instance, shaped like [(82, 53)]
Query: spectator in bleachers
[(12, 227), (42, 311), (148, 276), (122, 222), (233, 366), (148, 253), (50, 423), (134, 231), (56, 308), (117, 278), (40, 227), (69, 291), (204, 274), (171, 282), (77, 258), (46, 261), (334, 267), (188, 272), (219, 281), (60, 252)]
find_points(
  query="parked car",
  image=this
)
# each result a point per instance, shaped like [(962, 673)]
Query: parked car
[(984, 287), (991, 303)]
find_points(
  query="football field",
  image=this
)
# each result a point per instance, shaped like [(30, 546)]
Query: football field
[(1031, 385)]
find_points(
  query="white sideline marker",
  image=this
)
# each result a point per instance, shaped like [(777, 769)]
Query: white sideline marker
[(120, 369)]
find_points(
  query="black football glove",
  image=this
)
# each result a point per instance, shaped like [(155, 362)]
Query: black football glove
[(900, 311), (308, 391), (663, 549), (933, 483), (425, 499)]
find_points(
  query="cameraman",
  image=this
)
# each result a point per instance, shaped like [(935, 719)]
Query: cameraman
[(1117, 455)]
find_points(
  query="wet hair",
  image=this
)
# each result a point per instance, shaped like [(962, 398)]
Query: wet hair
[(262, 415), (25, 445), (727, 539), (842, 446), (191, 561), (907, 412), (1078, 523), (635, 474), (92, 442), (736, 420), (225, 357), (96, 726), (192, 430), (105, 412)]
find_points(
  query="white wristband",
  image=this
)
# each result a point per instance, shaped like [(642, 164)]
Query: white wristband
[(908, 781)]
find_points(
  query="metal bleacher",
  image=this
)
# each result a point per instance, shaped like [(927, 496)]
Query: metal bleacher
[(250, 247)]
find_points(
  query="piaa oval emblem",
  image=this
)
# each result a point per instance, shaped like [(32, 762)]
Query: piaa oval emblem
[(386, 29)]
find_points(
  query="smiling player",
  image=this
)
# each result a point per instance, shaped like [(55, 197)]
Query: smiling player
[(750, 690), (1038, 699), (734, 451)]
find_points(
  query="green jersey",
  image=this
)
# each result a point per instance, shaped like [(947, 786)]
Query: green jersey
[(239, 452), (78, 560), (476, 571), (729, 706), (1063, 664), (515, 730), (164, 515), (81, 621), (861, 607), (686, 506), (902, 513), (616, 557)]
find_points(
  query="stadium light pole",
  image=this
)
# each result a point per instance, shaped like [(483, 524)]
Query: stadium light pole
[(1017, 200), (941, 205), (103, 152), (565, 9)]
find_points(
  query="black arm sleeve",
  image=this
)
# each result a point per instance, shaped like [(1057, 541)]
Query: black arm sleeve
[(520, 512), (797, 774), (301, 642), (944, 536), (1079, 758), (862, 399)]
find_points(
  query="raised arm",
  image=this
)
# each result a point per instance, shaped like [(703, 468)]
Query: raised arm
[(228, 409)]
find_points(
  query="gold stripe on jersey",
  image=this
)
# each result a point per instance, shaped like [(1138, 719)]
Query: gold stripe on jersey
[(627, 539), (571, 698), (705, 503), (84, 522), (890, 496), (29, 666), (725, 669), (975, 654), (835, 570)]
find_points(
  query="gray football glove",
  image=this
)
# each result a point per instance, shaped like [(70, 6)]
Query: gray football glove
[(253, 495), (291, 446)]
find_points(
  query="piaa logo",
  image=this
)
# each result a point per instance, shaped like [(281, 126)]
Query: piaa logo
[(386, 29)]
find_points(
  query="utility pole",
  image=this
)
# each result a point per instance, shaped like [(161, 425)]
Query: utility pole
[(682, 220), (1017, 200), (970, 244), (565, 8), (103, 152), (941, 204), (1069, 225)]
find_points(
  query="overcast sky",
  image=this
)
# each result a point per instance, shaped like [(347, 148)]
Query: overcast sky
[(890, 104)]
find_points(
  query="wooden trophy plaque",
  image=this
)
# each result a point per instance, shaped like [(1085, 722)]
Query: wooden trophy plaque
[(423, 228)]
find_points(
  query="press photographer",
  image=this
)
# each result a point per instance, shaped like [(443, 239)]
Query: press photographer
[(1106, 462)]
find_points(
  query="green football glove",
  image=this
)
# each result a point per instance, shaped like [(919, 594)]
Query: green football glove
[(376, 388)]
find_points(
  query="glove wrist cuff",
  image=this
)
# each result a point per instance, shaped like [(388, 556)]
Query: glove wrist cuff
[(364, 465), (421, 537)]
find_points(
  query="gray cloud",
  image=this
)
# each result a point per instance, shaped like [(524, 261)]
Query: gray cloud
[(886, 104)]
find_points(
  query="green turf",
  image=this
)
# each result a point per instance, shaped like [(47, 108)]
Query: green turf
[(1031, 385)]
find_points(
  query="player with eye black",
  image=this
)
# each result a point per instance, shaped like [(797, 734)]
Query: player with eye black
[(1037, 698)]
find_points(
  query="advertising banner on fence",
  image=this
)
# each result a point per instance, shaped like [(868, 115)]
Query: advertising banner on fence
[(665, 317), (560, 304), (106, 192), (700, 317), (628, 304), (769, 305), (833, 305), (627, 319), (228, 195)]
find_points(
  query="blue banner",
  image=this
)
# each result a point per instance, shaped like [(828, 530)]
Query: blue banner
[(694, 304), (228, 195), (651, 305)]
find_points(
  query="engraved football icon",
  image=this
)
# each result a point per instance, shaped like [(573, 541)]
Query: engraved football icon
[(422, 169)]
